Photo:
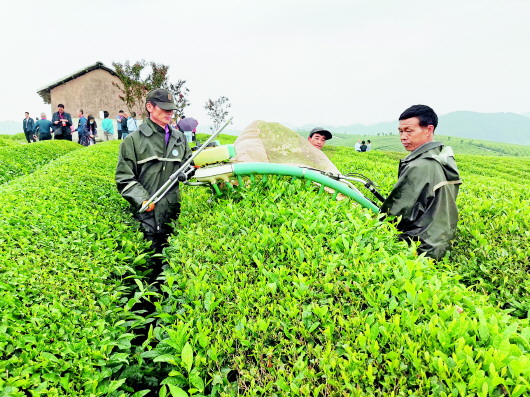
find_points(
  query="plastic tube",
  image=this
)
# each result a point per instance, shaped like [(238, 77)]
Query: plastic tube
[(300, 172)]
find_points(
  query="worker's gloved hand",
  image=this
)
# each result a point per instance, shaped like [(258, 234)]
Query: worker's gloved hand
[(150, 207)]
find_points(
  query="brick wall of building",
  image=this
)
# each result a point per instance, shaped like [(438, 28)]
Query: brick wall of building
[(92, 92)]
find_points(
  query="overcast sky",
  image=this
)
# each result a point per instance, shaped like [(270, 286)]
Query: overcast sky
[(313, 61)]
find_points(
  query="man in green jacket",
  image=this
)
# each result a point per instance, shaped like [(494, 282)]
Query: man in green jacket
[(428, 182), (147, 158)]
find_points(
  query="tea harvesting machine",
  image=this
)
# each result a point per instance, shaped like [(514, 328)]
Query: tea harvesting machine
[(209, 165)]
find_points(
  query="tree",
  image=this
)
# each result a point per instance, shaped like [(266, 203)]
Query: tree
[(140, 77), (217, 110), (181, 97)]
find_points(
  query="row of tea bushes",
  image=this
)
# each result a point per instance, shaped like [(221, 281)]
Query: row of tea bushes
[(280, 291), (66, 245), (6, 141), (17, 160), (491, 249), (12, 139), (277, 291)]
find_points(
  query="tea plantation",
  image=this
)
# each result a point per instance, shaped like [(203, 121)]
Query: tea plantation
[(273, 290)]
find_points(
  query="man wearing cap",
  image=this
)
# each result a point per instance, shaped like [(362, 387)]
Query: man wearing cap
[(318, 137), (147, 158)]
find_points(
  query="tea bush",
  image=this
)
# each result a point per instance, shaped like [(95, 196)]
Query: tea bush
[(17, 160), (281, 292), (67, 242), (491, 249), (273, 291), (13, 138), (6, 142)]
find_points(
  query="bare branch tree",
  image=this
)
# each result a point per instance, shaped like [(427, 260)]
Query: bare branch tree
[(217, 110), (181, 96)]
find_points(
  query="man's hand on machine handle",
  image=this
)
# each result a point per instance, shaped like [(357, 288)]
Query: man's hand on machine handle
[(186, 174), (150, 207)]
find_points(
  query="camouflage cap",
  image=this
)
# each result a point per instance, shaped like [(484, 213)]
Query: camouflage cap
[(161, 98)]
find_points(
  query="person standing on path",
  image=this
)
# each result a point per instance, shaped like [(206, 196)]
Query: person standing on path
[(81, 124), (28, 125), (43, 128), (62, 122), (132, 124), (147, 158), (124, 128), (107, 126), (91, 130), (363, 147), (119, 117)]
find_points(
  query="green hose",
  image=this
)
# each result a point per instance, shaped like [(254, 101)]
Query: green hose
[(250, 169)]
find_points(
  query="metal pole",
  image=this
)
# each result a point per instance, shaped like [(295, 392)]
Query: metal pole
[(160, 193)]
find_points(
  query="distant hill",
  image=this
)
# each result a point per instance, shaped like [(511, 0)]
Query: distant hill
[(460, 145), (374, 129), (10, 127), (497, 127)]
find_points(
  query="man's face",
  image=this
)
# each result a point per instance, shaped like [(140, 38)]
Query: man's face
[(27, 114), (413, 135), (79, 114), (60, 109), (159, 116), (317, 140)]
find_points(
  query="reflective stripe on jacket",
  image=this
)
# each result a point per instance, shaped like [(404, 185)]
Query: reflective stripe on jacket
[(145, 164)]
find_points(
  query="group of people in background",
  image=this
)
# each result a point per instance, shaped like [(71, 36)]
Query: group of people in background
[(363, 146), (126, 124), (318, 137), (87, 129), (61, 126)]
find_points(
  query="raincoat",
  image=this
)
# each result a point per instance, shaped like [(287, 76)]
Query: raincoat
[(145, 163), (425, 198)]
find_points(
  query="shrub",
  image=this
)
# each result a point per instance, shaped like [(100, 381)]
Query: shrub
[(18, 160), (279, 292), (66, 244)]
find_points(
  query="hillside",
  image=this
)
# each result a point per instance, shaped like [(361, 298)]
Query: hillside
[(460, 145), (496, 127), (499, 127)]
